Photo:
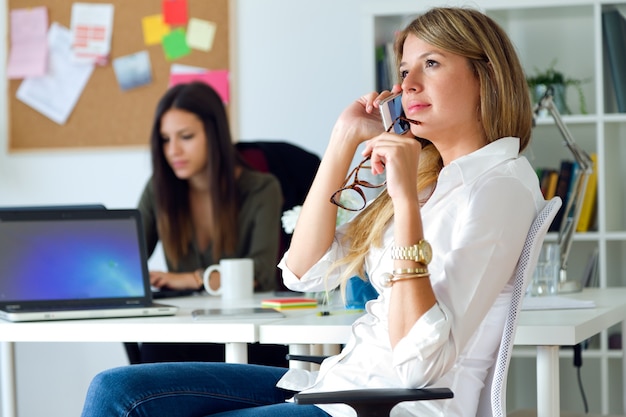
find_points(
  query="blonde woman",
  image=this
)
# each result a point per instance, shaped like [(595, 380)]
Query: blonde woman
[(440, 244)]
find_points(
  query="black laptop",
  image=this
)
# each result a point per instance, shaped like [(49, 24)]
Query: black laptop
[(74, 263)]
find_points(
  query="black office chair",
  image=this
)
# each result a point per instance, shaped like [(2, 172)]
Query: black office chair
[(295, 169), (492, 402)]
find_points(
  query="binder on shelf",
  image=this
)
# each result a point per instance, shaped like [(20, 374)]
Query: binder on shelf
[(381, 69), (549, 178), (588, 207), (553, 180), (566, 173), (392, 70), (614, 32)]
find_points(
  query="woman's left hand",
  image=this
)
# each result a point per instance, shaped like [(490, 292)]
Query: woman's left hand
[(398, 156)]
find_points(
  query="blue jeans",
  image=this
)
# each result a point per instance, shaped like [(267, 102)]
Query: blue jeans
[(192, 389)]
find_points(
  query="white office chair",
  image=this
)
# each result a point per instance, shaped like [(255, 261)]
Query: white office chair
[(492, 403)]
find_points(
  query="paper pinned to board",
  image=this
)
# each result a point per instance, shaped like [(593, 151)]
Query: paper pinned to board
[(91, 27), (55, 94), (555, 302), (29, 46)]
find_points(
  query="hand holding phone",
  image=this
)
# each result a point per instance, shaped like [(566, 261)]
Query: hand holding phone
[(390, 111)]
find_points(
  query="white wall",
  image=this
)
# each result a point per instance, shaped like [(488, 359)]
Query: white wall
[(299, 64)]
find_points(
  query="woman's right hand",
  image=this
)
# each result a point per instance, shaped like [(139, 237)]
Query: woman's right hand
[(361, 120), (173, 280), (315, 228)]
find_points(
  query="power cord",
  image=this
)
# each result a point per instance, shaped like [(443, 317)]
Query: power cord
[(578, 363)]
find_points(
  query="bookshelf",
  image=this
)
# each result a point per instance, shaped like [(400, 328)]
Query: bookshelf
[(571, 32)]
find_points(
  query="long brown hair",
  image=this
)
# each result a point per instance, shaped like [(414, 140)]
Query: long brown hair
[(172, 194), (505, 108)]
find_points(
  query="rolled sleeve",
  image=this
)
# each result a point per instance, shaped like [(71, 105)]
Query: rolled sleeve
[(412, 356), (322, 276)]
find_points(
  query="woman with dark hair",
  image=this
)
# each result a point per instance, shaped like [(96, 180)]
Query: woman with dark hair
[(439, 245), (204, 204)]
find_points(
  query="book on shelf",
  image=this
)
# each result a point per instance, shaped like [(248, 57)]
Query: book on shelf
[(588, 207), (549, 178), (614, 34), (566, 173), (386, 70), (385, 67), (382, 78)]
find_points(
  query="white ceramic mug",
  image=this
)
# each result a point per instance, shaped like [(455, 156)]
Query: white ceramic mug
[(236, 279)]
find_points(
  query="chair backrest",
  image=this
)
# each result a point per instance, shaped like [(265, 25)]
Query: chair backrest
[(492, 402), (295, 169)]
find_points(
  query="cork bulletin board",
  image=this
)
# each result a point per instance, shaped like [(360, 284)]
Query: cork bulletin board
[(106, 116)]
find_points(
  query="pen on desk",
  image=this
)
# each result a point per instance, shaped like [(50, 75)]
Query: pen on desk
[(337, 312)]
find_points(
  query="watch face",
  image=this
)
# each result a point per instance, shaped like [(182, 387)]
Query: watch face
[(427, 251)]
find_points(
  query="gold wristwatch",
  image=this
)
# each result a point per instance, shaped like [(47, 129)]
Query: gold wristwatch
[(421, 252)]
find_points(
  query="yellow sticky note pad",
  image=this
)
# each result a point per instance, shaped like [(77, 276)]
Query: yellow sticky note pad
[(154, 28), (200, 34)]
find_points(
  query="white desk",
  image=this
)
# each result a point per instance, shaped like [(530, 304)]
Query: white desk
[(550, 329), (179, 328), (545, 329)]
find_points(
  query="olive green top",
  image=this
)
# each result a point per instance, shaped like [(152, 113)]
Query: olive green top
[(260, 201)]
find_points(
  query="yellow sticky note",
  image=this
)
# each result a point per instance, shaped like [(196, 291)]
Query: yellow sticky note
[(200, 34), (154, 28)]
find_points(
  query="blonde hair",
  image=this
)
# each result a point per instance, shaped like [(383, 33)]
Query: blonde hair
[(505, 109)]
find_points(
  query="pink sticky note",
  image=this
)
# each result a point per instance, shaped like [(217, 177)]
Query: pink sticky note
[(174, 12), (217, 79), (29, 46)]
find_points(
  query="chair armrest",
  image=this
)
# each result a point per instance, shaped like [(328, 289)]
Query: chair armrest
[(373, 402), (305, 358), (374, 395)]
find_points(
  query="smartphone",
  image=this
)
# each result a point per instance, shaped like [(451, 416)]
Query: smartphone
[(390, 110)]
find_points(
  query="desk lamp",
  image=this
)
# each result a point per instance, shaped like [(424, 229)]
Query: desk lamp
[(574, 202)]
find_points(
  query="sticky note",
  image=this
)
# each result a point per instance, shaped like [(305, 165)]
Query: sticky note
[(175, 12), (200, 34), (175, 44), (154, 28)]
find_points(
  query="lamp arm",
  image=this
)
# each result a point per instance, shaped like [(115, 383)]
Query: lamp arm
[(580, 176), (570, 218)]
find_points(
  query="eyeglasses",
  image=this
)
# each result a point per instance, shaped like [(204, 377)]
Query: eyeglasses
[(350, 196)]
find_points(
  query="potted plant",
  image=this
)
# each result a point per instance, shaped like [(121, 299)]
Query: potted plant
[(551, 77)]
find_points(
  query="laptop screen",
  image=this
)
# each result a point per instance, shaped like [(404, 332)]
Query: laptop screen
[(72, 256)]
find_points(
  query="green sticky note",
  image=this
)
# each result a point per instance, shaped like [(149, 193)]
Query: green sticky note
[(175, 44)]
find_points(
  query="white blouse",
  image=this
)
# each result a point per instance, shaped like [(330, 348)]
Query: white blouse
[(476, 221)]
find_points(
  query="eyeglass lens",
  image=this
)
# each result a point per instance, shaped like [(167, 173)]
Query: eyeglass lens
[(351, 197)]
